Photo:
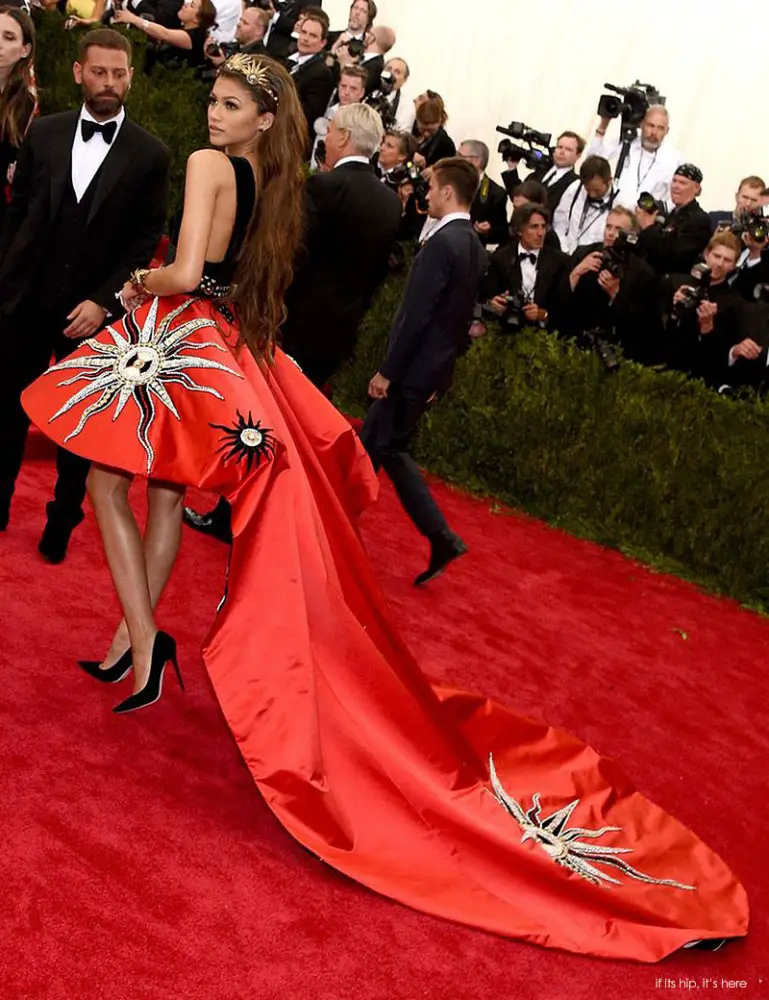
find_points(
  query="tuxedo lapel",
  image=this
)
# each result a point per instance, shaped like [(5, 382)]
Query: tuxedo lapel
[(115, 165), (61, 159)]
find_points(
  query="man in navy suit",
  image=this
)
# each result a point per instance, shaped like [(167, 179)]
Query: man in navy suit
[(428, 333)]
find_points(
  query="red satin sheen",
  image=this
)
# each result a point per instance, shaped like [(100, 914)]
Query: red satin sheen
[(372, 768)]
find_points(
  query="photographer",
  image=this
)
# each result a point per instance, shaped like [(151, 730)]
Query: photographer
[(612, 289), (747, 199), (672, 245), (360, 21), (351, 90), (249, 37), (184, 45), (397, 149), (312, 77), (706, 316), (556, 178), (163, 12), (402, 112), (650, 163), (580, 218), (524, 280), (489, 208), (434, 142)]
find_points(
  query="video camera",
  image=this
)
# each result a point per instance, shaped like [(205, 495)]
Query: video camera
[(630, 105), (614, 258), (409, 173), (696, 293), (378, 100), (535, 153)]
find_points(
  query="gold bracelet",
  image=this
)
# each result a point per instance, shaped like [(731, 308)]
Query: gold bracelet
[(139, 278)]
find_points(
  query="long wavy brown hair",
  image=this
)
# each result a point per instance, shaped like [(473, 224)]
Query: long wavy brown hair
[(266, 263), (18, 99)]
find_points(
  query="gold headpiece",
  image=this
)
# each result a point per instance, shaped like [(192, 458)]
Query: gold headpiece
[(254, 71)]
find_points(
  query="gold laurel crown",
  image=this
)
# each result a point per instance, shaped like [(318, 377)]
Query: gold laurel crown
[(254, 71)]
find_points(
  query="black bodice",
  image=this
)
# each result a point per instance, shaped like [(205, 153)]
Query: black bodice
[(218, 275)]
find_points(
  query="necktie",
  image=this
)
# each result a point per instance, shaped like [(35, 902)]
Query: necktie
[(528, 256), (89, 130)]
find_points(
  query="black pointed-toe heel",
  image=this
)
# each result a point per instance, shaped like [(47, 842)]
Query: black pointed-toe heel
[(113, 674), (163, 653)]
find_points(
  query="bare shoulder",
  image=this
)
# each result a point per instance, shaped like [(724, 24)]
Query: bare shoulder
[(210, 166)]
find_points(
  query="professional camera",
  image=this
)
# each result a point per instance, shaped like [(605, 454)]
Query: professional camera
[(113, 5), (409, 173), (630, 104), (614, 258), (356, 48), (597, 340), (695, 293), (652, 205), (378, 100), (224, 49), (530, 146), (512, 319), (755, 223)]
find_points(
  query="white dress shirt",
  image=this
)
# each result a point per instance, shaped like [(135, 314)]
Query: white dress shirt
[(405, 112), (577, 222), (528, 271), (643, 171), (87, 157), (296, 61), (352, 159), (227, 16), (270, 26), (431, 226), (554, 174)]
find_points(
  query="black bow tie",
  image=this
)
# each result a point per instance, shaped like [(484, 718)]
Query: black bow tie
[(89, 129), (528, 256)]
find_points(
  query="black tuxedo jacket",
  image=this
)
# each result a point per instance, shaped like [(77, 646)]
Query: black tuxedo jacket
[(315, 84), (281, 44), (505, 275), (511, 179), (125, 221), (374, 68), (635, 315), (672, 248), (430, 328), (490, 205), (351, 224), (745, 279)]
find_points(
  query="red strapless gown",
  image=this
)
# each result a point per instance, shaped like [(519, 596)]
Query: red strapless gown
[(440, 799)]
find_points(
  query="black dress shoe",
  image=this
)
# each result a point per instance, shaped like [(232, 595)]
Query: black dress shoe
[(163, 653), (55, 539), (214, 523), (112, 674), (445, 548)]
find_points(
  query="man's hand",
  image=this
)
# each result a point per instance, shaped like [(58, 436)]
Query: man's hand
[(498, 304), (590, 263), (513, 164), (747, 349), (482, 227), (378, 386), (609, 283), (131, 296), (477, 329), (682, 293), (644, 218), (706, 314), (86, 319), (533, 313), (419, 161)]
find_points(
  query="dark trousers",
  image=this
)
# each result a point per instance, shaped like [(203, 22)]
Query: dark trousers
[(387, 435), (27, 341)]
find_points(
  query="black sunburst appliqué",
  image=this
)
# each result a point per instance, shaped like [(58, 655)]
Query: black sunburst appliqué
[(246, 441)]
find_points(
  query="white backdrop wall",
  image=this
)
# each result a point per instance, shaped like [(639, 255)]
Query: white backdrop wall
[(468, 53)]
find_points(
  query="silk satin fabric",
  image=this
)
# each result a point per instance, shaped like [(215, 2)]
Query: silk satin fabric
[(374, 769)]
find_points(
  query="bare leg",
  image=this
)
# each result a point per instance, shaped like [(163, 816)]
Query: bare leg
[(162, 538), (125, 556)]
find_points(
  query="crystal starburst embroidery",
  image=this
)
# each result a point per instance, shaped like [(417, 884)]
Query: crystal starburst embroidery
[(138, 365), (246, 440), (562, 843)]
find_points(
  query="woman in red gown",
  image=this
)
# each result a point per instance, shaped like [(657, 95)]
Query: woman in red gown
[(440, 799)]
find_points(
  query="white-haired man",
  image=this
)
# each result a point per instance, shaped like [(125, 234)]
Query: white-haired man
[(651, 162)]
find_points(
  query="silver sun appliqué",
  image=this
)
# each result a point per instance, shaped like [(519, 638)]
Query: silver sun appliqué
[(138, 365), (562, 843)]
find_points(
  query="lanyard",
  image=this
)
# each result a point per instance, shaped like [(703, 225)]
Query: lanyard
[(648, 169), (584, 225)]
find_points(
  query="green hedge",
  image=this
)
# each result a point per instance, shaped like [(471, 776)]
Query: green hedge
[(649, 462)]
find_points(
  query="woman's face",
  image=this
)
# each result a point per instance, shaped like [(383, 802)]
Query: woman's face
[(12, 46), (189, 13), (233, 115)]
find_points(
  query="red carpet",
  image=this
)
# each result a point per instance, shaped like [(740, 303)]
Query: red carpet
[(139, 863)]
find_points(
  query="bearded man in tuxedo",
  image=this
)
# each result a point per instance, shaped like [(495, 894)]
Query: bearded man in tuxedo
[(88, 206)]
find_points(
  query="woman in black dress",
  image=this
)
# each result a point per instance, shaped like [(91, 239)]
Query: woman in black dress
[(185, 44), (18, 99)]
